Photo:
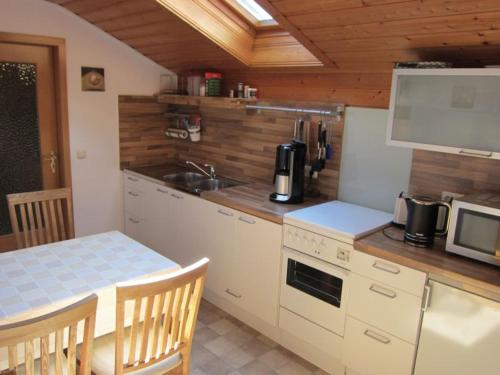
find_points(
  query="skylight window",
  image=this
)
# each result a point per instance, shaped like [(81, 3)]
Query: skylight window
[(255, 10)]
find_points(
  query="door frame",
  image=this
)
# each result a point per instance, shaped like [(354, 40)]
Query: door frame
[(58, 47)]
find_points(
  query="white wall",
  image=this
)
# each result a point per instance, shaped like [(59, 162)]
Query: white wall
[(93, 116)]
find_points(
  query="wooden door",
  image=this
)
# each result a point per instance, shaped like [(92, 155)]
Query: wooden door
[(28, 125)]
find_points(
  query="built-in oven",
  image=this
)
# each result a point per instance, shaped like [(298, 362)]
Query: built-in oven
[(314, 289), (475, 227)]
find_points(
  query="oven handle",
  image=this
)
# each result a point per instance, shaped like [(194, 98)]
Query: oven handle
[(322, 265)]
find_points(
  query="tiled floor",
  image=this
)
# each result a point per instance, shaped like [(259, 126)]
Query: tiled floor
[(224, 345)]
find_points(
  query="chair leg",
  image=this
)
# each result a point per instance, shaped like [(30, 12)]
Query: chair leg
[(186, 360)]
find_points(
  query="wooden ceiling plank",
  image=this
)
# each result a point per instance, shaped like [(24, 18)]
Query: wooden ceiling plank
[(397, 11), (460, 39), (300, 7), (214, 25), (432, 25), (121, 9), (296, 33)]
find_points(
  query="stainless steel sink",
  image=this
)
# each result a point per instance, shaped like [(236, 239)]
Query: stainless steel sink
[(210, 185), (196, 183), (183, 178)]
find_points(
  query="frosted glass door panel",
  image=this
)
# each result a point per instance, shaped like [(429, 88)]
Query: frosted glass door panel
[(453, 110)]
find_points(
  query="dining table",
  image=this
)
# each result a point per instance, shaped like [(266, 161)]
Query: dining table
[(40, 279)]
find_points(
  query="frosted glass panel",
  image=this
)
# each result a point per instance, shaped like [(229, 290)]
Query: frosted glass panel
[(456, 111), (20, 168)]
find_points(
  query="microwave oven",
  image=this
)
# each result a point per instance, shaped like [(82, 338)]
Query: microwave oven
[(475, 227)]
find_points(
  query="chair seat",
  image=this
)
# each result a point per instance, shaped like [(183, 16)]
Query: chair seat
[(103, 358)]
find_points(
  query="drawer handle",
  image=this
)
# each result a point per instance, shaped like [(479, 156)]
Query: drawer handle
[(377, 337), (247, 220), (383, 291), (177, 196), (133, 194), (161, 191), (228, 291), (225, 213), (133, 221), (386, 267), (133, 179)]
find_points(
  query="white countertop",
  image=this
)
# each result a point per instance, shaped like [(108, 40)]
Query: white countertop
[(337, 219)]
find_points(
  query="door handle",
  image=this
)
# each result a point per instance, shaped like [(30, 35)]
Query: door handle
[(133, 179), (427, 297), (383, 291), (377, 337), (134, 221), (228, 291), (225, 213), (133, 194), (176, 196), (247, 220), (161, 191), (52, 158), (386, 267)]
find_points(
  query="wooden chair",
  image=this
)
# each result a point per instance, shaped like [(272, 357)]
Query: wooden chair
[(163, 314), (41, 329), (41, 217)]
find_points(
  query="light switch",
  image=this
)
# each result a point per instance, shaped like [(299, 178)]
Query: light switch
[(81, 154)]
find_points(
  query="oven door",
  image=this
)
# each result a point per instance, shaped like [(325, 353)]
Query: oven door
[(314, 289), (475, 232)]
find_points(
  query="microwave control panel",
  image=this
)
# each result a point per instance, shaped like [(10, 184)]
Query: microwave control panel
[(317, 245)]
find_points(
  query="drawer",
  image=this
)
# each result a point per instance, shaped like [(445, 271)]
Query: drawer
[(393, 274), (370, 351), (134, 182), (385, 307), (320, 338), (135, 202)]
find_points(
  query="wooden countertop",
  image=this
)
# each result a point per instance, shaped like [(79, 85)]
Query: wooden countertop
[(468, 274), (253, 199)]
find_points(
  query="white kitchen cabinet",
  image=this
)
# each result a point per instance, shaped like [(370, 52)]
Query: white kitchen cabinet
[(244, 254), (371, 351), (257, 278), (244, 251), (135, 227), (385, 307), (218, 238)]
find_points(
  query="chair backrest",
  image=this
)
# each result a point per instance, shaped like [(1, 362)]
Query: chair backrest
[(165, 310), (41, 217), (50, 332)]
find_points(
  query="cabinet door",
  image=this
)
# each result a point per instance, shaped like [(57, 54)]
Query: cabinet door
[(258, 266), (183, 245), (217, 234), (135, 228), (159, 216)]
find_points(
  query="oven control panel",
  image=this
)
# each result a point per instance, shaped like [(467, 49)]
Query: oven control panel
[(317, 246)]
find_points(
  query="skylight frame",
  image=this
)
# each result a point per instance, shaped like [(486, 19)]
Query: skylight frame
[(249, 16)]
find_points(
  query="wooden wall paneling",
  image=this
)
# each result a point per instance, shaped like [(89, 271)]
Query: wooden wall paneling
[(434, 172), (240, 143), (356, 89), (142, 138)]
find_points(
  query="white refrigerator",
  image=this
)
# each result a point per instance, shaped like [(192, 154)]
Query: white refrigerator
[(460, 334)]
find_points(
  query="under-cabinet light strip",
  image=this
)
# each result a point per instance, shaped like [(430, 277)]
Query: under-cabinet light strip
[(336, 112)]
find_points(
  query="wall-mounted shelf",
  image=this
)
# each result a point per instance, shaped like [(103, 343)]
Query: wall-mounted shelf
[(207, 101)]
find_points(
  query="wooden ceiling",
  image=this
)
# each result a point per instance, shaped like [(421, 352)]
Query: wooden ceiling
[(155, 32), (372, 34), (344, 35)]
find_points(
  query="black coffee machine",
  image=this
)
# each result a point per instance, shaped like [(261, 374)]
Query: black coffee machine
[(422, 217), (289, 173)]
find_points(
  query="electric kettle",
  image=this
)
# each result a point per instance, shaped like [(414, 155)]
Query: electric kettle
[(422, 217)]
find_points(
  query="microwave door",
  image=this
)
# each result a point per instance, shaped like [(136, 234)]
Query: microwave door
[(476, 234)]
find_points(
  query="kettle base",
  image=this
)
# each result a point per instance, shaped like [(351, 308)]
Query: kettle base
[(418, 242)]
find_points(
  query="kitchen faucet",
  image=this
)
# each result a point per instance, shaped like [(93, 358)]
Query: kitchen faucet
[(212, 169)]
